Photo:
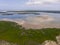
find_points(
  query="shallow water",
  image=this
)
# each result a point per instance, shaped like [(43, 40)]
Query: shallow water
[(56, 16)]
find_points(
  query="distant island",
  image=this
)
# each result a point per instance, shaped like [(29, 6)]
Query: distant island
[(37, 12)]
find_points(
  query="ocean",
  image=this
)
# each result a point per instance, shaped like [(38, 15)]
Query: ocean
[(41, 20), (24, 16)]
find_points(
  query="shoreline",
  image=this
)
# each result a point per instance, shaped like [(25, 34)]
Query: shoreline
[(32, 26)]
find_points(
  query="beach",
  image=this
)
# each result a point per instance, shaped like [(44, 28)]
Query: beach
[(29, 25)]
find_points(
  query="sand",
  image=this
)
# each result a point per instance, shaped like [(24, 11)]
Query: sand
[(28, 25)]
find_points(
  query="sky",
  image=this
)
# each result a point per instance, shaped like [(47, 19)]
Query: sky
[(29, 4)]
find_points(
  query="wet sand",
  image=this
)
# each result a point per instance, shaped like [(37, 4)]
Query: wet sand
[(34, 26)]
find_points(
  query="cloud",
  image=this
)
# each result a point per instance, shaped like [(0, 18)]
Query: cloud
[(3, 4), (39, 2), (39, 19)]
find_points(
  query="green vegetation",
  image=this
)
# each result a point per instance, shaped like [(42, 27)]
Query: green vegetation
[(15, 33)]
